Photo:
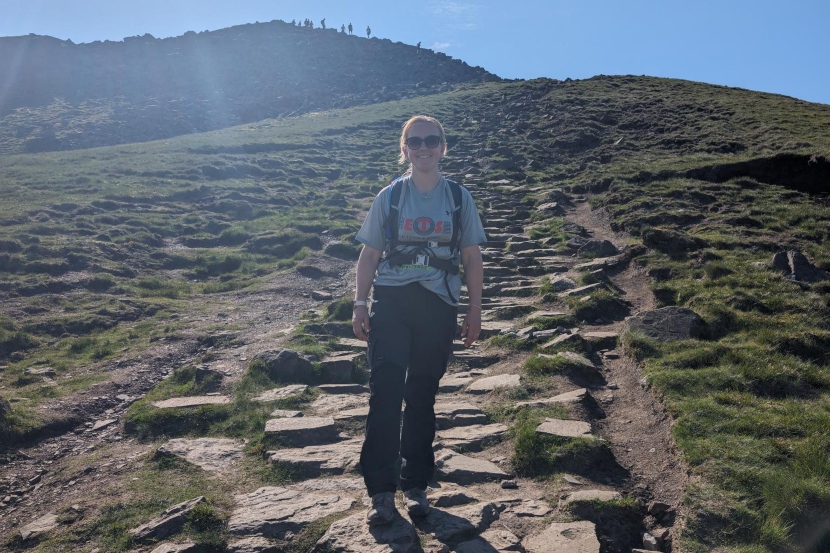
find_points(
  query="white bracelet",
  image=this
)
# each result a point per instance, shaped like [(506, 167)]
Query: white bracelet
[(358, 303)]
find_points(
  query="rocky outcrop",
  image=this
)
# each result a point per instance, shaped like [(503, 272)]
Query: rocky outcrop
[(667, 324)]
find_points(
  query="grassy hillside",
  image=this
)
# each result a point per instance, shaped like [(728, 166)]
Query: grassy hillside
[(105, 251)]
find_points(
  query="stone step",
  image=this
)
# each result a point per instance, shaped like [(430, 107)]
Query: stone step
[(589, 495), (471, 438), (454, 467), (303, 430), (191, 401), (491, 383), (336, 458), (450, 415), (276, 511), (515, 291), (277, 394), (574, 396)]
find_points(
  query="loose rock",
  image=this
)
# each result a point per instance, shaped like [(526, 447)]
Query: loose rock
[(168, 523)]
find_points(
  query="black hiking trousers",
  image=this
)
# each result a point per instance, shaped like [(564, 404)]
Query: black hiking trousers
[(409, 347)]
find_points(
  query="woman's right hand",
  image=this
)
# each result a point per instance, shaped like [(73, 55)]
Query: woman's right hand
[(360, 322)]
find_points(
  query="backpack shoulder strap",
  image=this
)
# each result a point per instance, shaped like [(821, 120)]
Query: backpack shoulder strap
[(390, 225), (457, 196)]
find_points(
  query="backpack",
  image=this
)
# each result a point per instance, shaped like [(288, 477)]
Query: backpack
[(395, 257)]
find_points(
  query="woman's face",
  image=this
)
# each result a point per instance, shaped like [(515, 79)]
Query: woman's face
[(423, 158)]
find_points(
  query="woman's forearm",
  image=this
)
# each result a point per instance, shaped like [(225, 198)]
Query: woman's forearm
[(473, 273), (367, 264)]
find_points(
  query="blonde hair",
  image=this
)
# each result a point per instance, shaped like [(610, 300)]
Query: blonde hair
[(420, 119)]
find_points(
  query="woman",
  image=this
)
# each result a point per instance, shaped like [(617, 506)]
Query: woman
[(411, 253)]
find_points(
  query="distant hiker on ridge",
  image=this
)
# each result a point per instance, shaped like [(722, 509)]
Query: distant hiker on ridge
[(343, 29), (350, 28), (418, 48), (323, 23), (368, 31), (418, 231)]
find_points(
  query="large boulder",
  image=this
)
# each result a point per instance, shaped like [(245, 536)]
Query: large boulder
[(667, 324), (597, 248), (797, 267), (286, 365)]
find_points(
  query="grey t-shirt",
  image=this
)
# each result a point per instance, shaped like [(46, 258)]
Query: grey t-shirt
[(423, 217)]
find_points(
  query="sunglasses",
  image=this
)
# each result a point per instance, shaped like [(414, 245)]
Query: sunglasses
[(431, 141)]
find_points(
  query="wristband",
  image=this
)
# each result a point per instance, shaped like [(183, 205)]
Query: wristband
[(358, 303)]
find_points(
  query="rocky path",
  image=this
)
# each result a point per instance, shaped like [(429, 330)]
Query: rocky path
[(626, 501)]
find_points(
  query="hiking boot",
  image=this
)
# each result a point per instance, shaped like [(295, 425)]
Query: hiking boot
[(416, 501), (382, 510)]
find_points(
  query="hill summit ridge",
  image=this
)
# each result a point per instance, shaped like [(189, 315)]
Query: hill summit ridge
[(65, 96)]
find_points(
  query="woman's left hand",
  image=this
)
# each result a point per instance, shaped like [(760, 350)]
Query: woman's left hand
[(471, 327)]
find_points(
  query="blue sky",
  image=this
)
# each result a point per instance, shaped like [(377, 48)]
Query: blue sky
[(779, 47)]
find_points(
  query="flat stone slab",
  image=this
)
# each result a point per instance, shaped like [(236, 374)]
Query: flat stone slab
[(492, 540), (599, 336), (328, 404), (353, 535), (211, 454), (475, 360), (357, 414), (277, 394), (252, 545), (343, 388), (565, 428), (285, 414), (450, 383), (39, 526), (303, 430), (589, 495), (352, 343), (471, 437), (580, 290), (544, 314), (448, 415), (531, 508), (563, 340), (321, 459), (186, 547), (573, 537), (462, 469), (103, 424), (272, 511), (574, 396), (491, 383), (191, 401)]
